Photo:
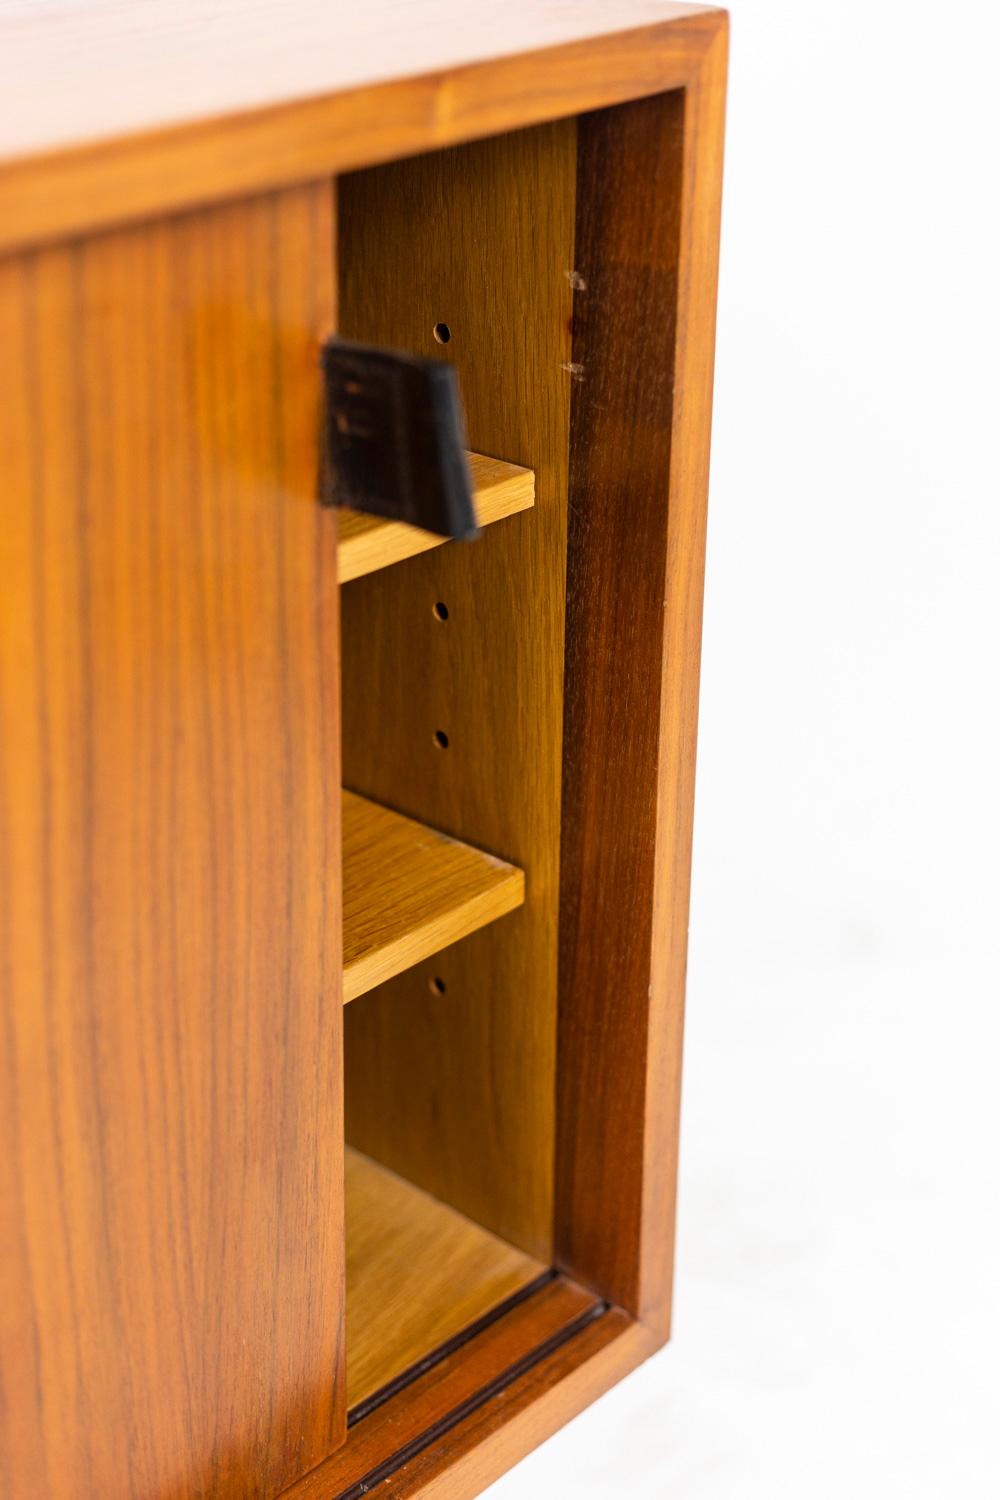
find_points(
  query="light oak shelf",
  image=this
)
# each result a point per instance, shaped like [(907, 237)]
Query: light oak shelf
[(410, 891), (368, 543), (418, 1272)]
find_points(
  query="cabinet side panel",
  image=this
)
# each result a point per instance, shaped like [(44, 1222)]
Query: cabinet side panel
[(171, 1272), (644, 319), (456, 1090)]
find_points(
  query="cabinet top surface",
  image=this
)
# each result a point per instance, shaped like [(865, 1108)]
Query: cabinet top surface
[(73, 72)]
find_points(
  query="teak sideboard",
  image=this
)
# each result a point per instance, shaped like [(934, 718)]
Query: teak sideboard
[(262, 756)]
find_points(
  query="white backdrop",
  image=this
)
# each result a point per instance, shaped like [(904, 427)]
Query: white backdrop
[(837, 1319)]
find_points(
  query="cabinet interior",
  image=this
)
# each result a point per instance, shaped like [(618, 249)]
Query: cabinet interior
[(452, 749)]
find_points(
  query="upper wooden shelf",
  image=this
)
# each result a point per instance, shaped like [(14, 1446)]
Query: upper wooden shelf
[(368, 543), (410, 891)]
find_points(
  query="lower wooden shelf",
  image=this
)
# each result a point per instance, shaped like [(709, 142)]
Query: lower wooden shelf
[(410, 891), (418, 1272)]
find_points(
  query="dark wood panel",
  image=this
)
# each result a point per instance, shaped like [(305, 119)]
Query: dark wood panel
[(644, 317), (171, 1285), (456, 1089)]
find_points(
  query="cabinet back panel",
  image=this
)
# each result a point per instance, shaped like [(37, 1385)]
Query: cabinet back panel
[(171, 1267), (455, 1090)]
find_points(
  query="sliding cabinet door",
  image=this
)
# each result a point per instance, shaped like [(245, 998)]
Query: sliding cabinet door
[(171, 1262)]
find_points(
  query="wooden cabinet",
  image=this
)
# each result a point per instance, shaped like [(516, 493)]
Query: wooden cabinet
[(343, 872)]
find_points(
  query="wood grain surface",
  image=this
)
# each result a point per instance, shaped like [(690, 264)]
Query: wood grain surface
[(367, 543), (644, 325), (435, 1397), (538, 1401), (457, 1091), (113, 120), (410, 891), (418, 1272), (171, 1290)]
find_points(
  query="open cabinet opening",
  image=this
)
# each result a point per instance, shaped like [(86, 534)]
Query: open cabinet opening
[(452, 743)]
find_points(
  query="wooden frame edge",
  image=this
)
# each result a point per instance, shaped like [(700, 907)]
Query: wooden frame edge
[(644, 330), (479, 1452), (691, 433), (72, 192), (475, 1410)]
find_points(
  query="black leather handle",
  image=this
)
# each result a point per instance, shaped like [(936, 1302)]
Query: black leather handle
[(395, 438)]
